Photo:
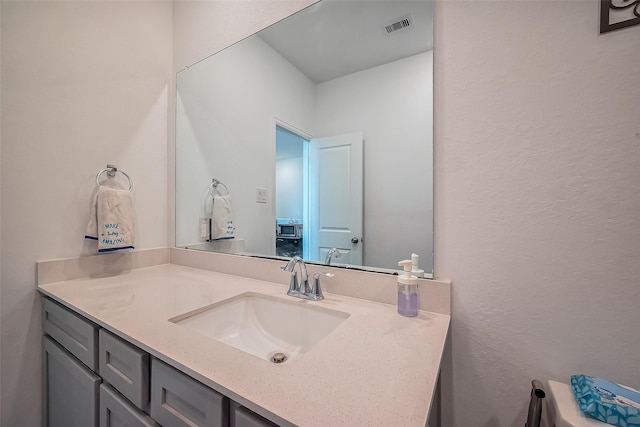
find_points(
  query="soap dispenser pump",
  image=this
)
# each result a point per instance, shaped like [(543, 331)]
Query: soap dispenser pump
[(407, 291), (415, 267)]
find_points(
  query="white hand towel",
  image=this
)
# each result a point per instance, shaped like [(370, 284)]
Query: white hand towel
[(222, 218), (92, 227), (112, 220)]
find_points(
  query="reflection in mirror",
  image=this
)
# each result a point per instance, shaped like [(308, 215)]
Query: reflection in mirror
[(320, 127)]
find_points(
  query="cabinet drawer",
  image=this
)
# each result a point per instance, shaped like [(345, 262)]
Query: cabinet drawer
[(70, 388), (177, 400), (73, 332), (244, 417), (126, 368), (116, 411)]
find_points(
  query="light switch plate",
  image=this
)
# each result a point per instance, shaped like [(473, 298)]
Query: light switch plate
[(261, 195)]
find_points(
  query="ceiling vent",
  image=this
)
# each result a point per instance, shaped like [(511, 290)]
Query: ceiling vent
[(401, 24)]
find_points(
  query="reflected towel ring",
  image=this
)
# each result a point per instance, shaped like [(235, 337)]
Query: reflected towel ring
[(214, 187), (111, 172)]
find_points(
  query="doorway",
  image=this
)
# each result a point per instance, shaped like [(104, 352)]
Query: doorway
[(290, 192)]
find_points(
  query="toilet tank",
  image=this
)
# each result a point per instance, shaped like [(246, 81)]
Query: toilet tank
[(562, 409)]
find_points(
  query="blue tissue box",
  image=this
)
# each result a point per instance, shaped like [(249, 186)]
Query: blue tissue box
[(602, 405)]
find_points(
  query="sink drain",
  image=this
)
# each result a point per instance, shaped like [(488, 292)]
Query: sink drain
[(278, 358)]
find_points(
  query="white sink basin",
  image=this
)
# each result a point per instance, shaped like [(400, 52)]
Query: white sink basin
[(263, 325)]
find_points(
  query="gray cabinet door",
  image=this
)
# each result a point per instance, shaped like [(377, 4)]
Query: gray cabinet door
[(116, 411), (71, 390), (177, 400)]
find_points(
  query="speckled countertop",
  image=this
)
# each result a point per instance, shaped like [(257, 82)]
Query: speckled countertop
[(377, 368)]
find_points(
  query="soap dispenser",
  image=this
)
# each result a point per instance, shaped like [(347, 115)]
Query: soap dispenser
[(407, 291)]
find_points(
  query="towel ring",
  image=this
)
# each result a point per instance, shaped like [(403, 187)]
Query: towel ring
[(111, 172), (214, 187)]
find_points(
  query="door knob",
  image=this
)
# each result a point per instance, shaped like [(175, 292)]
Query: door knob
[(354, 240)]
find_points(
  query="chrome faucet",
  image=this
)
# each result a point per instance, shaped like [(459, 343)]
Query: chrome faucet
[(296, 287), (302, 289), (333, 253)]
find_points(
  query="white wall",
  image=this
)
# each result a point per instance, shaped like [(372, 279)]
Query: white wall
[(233, 100), (392, 104), (537, 195), (83, 84), (289, 186)]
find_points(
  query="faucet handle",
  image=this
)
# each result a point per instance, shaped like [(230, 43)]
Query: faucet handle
[(316, 290)]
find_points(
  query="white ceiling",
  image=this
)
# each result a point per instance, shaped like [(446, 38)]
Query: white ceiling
[(337, 37)]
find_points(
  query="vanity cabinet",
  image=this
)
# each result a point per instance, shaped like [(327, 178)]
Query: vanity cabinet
[(177, 400), (70, 388), (115, 411), (70, 359), (243, 417), (76, 334), (94, 378), (125, 367)]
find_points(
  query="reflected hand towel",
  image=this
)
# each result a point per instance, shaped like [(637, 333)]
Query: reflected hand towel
[(222, 218)]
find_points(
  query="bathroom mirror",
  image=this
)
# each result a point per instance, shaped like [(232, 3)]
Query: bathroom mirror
[(318, 132)]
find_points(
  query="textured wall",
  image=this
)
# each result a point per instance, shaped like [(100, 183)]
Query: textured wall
[(83, 84), (0, 212), (537, 196)]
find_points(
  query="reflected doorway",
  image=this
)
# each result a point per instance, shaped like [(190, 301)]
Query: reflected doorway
[(290, 192), (319, 196)]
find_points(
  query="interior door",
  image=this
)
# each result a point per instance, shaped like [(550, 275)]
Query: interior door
[(335, 183)]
